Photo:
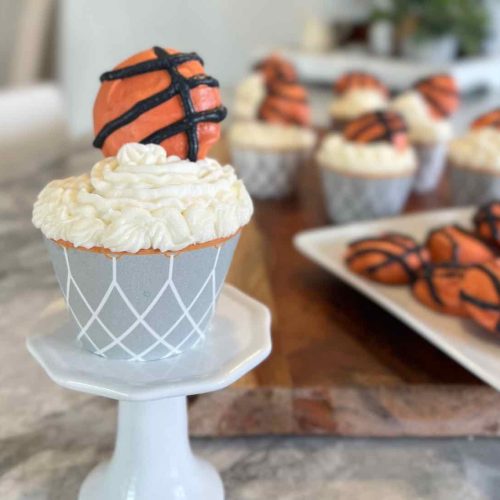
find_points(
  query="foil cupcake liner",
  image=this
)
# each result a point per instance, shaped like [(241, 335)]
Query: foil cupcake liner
[(473, 186), (431, 162), (268, 174), (141, 307), (352, 198)]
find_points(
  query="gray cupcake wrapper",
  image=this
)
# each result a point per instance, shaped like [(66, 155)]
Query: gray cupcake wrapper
[(141, 307), (472, 186), (350, 198), (431, 162), (268, 174)]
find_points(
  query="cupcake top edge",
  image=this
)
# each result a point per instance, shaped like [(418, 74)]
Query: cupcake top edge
[(478, 148), (366, 159), (144, 199)]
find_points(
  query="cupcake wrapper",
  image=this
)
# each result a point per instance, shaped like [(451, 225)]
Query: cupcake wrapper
[(141, 307), (268, 174), (431, 162), (349, 198), (473, 187)]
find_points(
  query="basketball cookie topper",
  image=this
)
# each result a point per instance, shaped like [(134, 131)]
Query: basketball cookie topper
[(378, 126), (285, 103), (359, 80), (440, 92), (276, 68), (159, 96), (490, 119)]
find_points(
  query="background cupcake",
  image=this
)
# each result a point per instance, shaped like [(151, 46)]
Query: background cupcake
[(475, 162), (142, 244), (271, 136), (356, 93), (427, 108), (368, 170)]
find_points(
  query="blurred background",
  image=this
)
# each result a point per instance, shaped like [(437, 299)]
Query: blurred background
[(52, 52)]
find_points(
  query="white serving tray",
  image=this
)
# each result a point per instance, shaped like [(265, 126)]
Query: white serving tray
[(475, 349)]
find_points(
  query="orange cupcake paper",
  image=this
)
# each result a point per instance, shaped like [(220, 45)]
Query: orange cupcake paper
[(159, 96)]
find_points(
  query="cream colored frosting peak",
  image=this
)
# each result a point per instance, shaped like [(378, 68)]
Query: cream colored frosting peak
[(357, 101), (423, 127), (377, 159), (249, 95), (478, 148), (144, 199)]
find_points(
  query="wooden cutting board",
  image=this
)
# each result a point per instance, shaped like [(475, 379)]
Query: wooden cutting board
[(340, 364)]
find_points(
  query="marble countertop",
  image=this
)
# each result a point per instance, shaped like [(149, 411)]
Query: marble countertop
[(50, 437)]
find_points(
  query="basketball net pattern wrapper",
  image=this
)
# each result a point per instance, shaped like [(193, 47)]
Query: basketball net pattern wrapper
[(145, 307), (185, 121)]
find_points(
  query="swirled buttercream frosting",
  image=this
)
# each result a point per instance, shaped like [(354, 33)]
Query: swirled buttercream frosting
[(144, 199)]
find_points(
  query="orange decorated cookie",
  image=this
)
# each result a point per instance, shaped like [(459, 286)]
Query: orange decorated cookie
[(487, 222), (391, 258), (438, 287), (286, 103), (490, 119), (159, 96), (276, 67), (358, 80), (454, 244), (378, 126), (440, 92), (481, 294)]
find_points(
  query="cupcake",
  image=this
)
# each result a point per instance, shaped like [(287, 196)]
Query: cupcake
[(271, 137), (368, 169), (474, 162), (356, 93), (141, 245), (427, 108)]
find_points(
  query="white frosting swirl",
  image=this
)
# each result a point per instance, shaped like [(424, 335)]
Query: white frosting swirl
[(271, 136), (477, 149), (377, 159), (144, 199), (357, 101), (423, 127), (249, 95)]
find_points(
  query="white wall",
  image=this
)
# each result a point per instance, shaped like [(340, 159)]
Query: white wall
[(97, 34)]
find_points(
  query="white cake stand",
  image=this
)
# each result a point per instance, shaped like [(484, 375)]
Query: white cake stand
[(152, 459)]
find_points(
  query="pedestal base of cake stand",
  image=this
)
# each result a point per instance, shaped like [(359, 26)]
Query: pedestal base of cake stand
[(152, 459)]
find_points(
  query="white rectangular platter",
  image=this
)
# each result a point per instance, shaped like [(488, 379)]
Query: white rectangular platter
[(476, 350)]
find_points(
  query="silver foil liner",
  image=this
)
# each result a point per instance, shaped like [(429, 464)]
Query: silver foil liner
[(431, 162), (141, 307), (268, 174), (351, 198), (470, 186)]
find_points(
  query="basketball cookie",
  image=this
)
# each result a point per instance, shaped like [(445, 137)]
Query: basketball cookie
[(454, 244), (276, 67), (440, 92), (490, 119), (159, 96), (391, 258), (358, 80), (487, 222), (378, 126), (481, 294), (285, 103), (438, 287)]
